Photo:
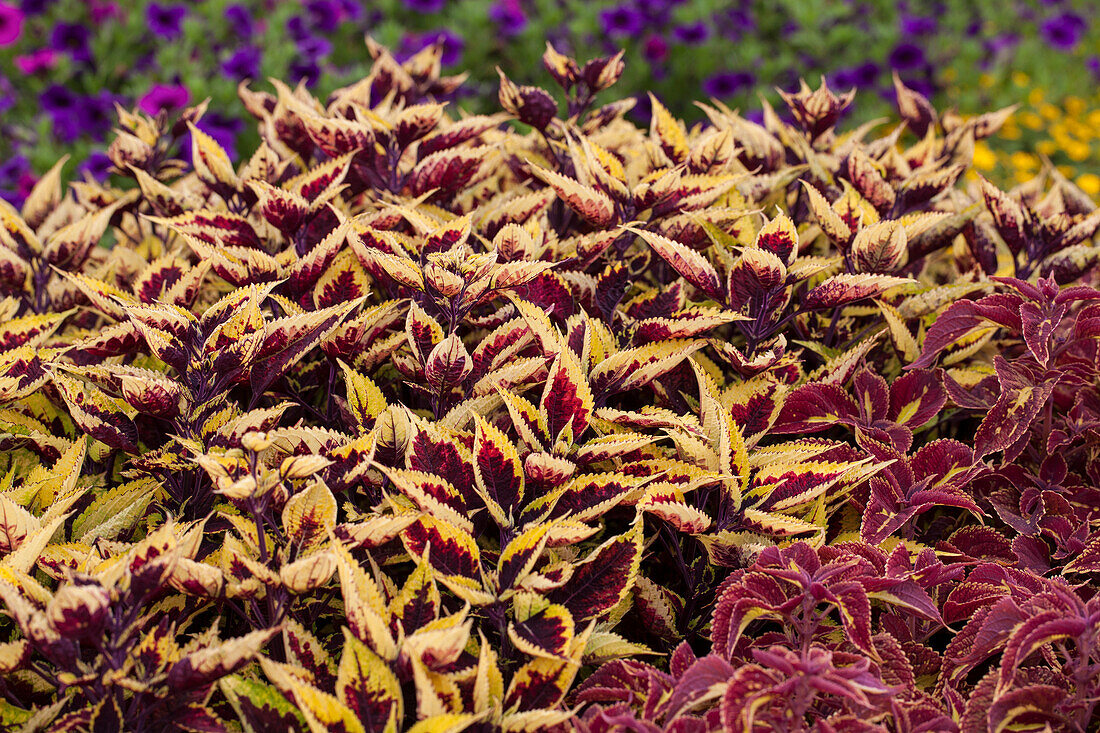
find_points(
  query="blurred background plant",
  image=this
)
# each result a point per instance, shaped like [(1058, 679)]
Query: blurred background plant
[(64, 64)]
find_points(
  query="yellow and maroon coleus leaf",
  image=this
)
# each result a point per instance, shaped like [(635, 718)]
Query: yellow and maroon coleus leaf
[(205, 665), (567, 402), (70, 246), (258, 706), (667, 502), (879, 248), (365, 608), (780, 238), (635, 368), (541, 684), (591, 204), (320, 183), (454, 552), (589, 496), (105, 418), (418, 603), (287, 340), (309, 515), (447, 365), (432, 450), (145, 390), (450, 171), (519, 556), (368, 687), (843, 289), (692, 266), (836, 227), (211, 162), (603, 579), (431, 494), (540, 628), (497, 467), (683, 324), (755, 405), (214, 228), (284, 210), (322, 711)]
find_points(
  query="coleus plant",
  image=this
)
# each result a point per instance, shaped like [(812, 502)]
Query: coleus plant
[(418, 420)]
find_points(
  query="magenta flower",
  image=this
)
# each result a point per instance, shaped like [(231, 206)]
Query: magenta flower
[(165, 97), (655, 49), (101, 11), (36, 61), (11, 24)]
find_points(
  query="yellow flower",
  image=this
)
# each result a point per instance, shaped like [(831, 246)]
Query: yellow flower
[(1077, 151), (1034, 97), (1067, 170), (1089, 183), (1046, 147), (1020, 79), (1031, 121), (1074, 106), (984, 158), (1024, 161), (1050, 111), (985, 80)]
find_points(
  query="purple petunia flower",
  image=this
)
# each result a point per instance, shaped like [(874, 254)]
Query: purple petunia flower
[(73, 40), (865, 75), (305, 70), (1064, 31), (95, 115), (296, 27), (324, 15), (11, 169), (63, 107), (692, 33), (241, 19), (11, 24), (906, 56), (35, 7), (425, 6), (1093, 65), (738, 23), (166, 20), (642, 111), (163, 96), (621, 21), (453, 45), (243, 64), (509, 17), (7, 94), (16, 180), (728, 83), (916, 25), (98, 165), (314, 48), (352, 9)]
